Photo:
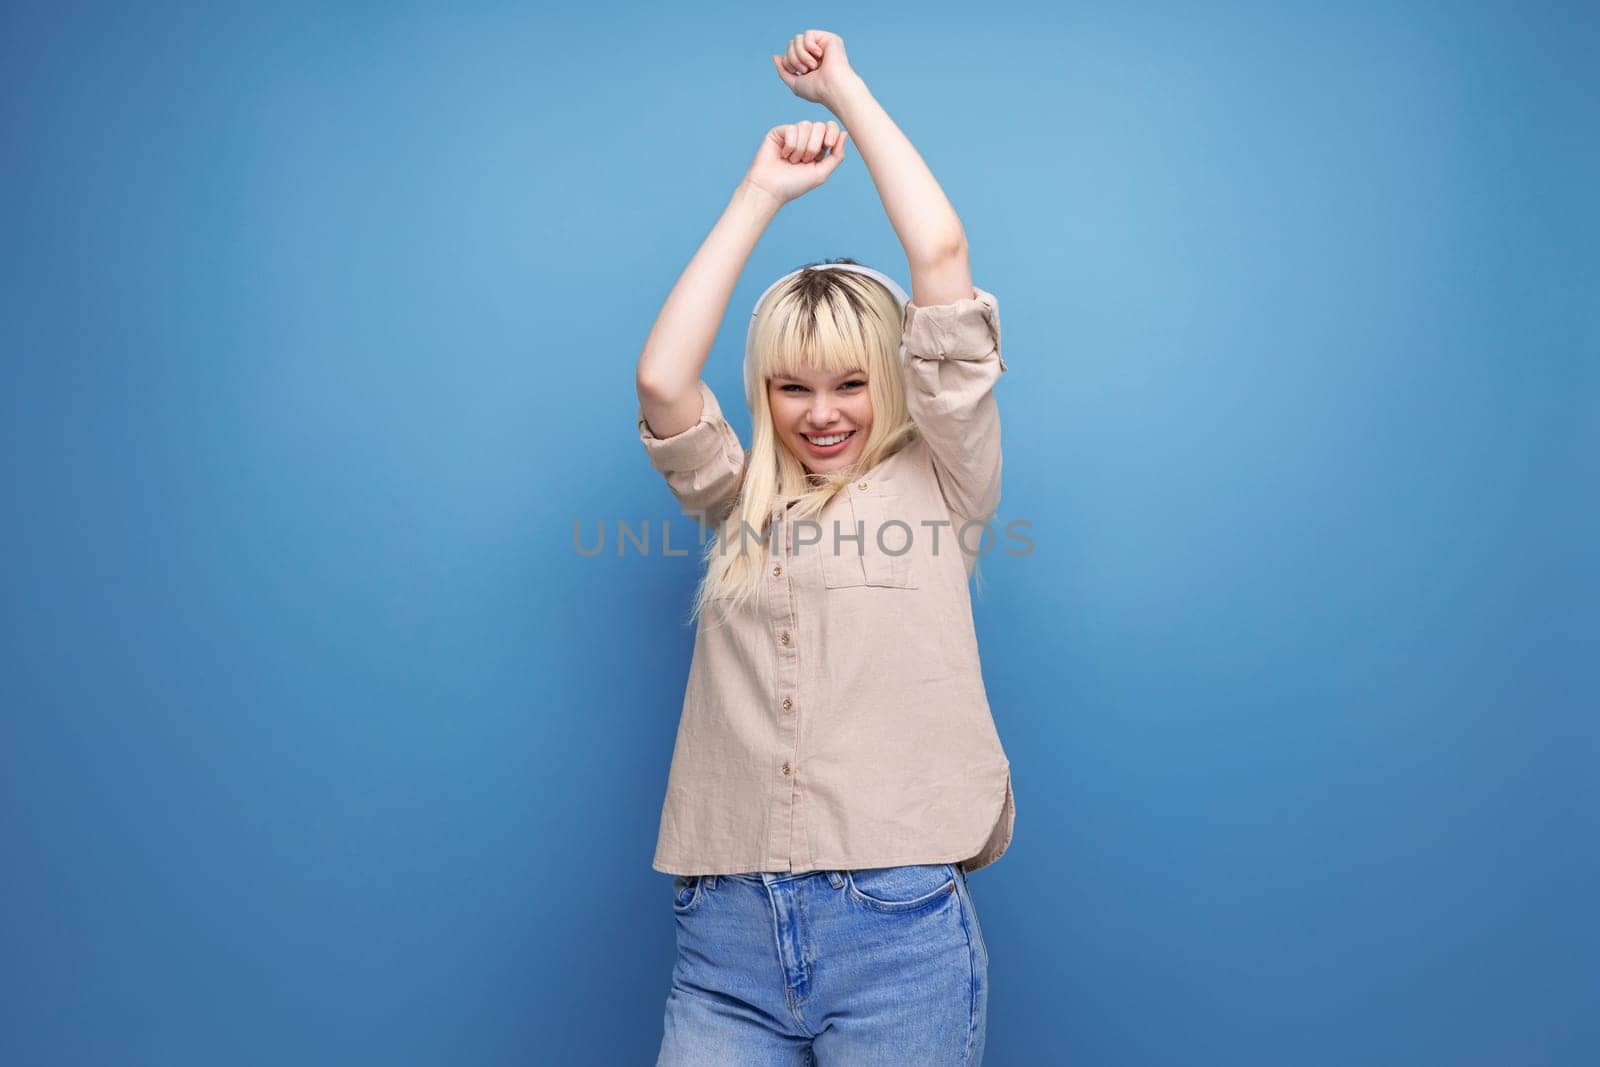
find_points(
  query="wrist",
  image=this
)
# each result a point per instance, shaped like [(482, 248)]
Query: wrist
[(840, 97), (755, 196)]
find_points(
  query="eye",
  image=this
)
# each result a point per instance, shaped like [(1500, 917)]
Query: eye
[(791, 388), (853, 383)]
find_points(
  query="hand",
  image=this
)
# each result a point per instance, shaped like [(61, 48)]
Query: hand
[(787, 164), (815, 66)]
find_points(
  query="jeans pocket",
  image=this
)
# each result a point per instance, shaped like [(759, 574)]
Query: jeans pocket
[(902, 889), (972, 913), (686, 892)]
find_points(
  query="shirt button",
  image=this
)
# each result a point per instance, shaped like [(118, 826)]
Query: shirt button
[(785, 768), (861, 486), (777, 570), (787, 703), (784, 637)]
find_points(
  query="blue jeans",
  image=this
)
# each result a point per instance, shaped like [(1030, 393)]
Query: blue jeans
[(884, 965)]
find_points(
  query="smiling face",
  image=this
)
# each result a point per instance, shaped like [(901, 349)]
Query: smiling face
[(810, 412)]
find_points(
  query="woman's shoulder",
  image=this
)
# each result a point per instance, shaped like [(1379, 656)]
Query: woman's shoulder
[(909, 467)]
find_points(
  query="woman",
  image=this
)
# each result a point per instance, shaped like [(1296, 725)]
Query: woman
[(837, 773)]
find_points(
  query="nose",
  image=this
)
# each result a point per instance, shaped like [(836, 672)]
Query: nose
[(821, 412)]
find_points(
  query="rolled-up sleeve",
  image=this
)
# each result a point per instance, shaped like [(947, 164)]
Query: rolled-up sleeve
[(952, 363), (703, 465)]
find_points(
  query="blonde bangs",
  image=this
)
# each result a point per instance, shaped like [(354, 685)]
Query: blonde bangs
[(832, 338)]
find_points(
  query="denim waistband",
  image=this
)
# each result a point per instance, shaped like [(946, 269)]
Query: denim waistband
[(835, 877), (774, 877)]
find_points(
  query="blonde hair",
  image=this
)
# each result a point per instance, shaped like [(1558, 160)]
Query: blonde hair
[(828, 321)]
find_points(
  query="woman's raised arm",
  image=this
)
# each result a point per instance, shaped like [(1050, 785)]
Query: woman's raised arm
[(816, 68), (789, 163)]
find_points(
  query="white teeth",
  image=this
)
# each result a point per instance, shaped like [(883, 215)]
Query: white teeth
[(825, 441)]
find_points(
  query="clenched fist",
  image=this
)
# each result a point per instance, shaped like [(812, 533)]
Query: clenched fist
[(815, 66), (797, 157)]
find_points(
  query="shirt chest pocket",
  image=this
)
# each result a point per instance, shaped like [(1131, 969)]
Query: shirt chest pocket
[(875, 543)]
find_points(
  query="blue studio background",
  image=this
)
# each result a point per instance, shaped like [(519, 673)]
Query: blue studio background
[(321, 743)]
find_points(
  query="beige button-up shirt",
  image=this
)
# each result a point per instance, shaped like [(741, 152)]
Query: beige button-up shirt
[(842, 721)]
